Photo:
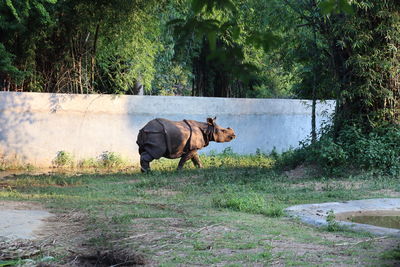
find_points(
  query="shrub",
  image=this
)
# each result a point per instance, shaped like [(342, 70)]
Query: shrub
[(378, 149), (111, 160), (333, 225), (89, 163), (63, 159), (228, 151), (291, 158), (328, 153)]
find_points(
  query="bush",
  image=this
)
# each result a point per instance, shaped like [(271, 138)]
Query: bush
[(328, 153), (89, 163), (111, 160), (291, 159), (376, 150), (63, 159), (379, 149)]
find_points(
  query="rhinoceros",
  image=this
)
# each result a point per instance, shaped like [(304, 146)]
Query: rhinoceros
[(178, 139)]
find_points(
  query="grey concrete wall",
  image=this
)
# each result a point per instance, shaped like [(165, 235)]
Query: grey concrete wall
[(35, 126)]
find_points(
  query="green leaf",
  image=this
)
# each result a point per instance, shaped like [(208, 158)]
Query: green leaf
[(335, 6), (346, 7), (13, 10), (227, 4), (198, 5), (175, 21), (42, 11), (235, 32), (327, 6)]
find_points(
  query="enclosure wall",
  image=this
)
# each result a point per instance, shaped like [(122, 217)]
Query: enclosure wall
[(35, 126)]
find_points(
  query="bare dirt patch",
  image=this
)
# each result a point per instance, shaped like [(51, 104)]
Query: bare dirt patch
[(321, 186), (24, 230), (342, 252), (302, 171), (388, 192), (59, 236), (16, 205), (110, 258)]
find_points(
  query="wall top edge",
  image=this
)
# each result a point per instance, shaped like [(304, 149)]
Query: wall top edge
[(128, 104)]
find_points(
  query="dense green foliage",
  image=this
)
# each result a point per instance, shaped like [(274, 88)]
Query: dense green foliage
[(81, 46), (352, 149), (365, 60), (181, 47)]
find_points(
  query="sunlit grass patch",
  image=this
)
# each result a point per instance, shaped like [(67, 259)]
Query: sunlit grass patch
[(393, 254), (227, 159), (56, 180), (237, 161), (247, 202), (16, 195)]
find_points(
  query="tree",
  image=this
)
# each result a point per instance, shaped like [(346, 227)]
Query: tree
[(83, 46), (219, 44), (366, 63), (22, 27)]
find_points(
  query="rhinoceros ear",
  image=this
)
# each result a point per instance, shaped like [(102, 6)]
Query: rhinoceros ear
[(211, 121)]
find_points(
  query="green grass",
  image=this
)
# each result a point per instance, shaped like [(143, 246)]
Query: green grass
[(393, 254), (229, 213)]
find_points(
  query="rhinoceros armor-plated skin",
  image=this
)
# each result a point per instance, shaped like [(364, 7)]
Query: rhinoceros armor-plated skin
[(178, 139)]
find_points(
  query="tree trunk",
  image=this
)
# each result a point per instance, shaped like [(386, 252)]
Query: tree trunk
[(93, 57), (314, 93)]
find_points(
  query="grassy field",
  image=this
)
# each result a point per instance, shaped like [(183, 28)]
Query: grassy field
[(231, 213)]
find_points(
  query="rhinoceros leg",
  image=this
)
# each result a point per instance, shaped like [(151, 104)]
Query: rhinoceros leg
[(186, 157), (196, 160), (145, 159)]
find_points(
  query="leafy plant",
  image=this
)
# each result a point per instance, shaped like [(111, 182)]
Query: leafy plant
[(333, 225), (111, 160), (63, 159), (228, 152), (377, 150), (89, 163)]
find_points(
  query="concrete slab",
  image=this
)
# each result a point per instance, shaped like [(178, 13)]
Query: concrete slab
[(19, 221), (316, 214)]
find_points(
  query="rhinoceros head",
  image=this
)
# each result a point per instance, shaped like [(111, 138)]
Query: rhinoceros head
[(221, 134)]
